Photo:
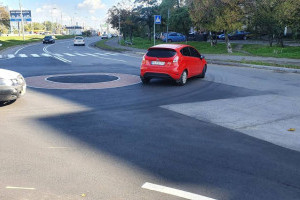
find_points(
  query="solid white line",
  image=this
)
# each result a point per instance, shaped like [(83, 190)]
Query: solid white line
[(57, 57), (20, 49), (68, 54), (10, 55), (79, 54), (91, 54), (62, 59), (174, 192), (35, 55), (105, 58), (23, 55), (19, 188), (46, 55)]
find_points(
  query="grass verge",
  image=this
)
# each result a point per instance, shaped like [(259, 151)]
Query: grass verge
[(275, 51), (10, 41), (101, 44)]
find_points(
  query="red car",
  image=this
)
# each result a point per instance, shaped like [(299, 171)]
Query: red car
[(173, 61)]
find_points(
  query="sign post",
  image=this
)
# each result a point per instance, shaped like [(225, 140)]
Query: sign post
[(157, 20)]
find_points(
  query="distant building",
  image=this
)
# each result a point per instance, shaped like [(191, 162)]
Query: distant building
[(74, 30)]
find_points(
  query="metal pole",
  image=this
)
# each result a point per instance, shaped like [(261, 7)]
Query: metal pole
[(22, 19), (168, 25), (119, 26), (154, 30)]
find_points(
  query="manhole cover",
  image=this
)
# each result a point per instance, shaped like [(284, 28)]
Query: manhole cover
[(82, 79)]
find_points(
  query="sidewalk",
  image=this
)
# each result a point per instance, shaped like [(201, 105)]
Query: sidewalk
[(228, 59)]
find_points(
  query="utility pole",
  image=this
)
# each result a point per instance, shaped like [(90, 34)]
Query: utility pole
[(168, 24), (154, 30), (119, 26), (22, 19)]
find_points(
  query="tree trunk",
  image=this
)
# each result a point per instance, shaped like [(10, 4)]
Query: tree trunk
[(211, 39), (271, 40), (228, 45)]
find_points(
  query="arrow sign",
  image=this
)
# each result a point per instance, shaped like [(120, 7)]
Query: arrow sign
[(157, 19)]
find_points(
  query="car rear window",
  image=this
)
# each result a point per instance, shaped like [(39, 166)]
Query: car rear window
[(161, 53), (78, 38)]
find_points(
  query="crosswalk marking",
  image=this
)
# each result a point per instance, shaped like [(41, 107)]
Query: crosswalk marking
[(91, 54), (59, 55), (101, 54), (112, 54), (10, 55), (35, 55), (79, 54), (23, 55), (68, 54), (46, 55)]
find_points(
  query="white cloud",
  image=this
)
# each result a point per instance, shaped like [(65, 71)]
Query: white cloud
[(91, 5)]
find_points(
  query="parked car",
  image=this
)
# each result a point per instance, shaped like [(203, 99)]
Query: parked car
[(78, 40), (104, 36), (197, 37), (48, 39), (12, 85), (173, 37), (172, 61), (237, 35)]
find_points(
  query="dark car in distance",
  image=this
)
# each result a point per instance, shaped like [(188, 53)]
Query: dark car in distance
[(197, 37), (48, 39), (237, 35)]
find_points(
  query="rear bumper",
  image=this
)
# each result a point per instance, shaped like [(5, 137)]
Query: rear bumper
[(10, 93), (159, 72)]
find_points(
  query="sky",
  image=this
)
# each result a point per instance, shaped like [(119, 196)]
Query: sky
[(90, 13)]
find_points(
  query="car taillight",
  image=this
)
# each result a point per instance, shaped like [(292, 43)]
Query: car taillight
[(144, 60), (175, 60)]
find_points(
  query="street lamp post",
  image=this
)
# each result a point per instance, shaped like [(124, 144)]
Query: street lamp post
[(22, 20)]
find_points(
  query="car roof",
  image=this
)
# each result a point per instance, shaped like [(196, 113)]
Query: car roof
[(170, 46)]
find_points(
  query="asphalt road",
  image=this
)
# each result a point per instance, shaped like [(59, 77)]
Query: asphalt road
[(222, 137)]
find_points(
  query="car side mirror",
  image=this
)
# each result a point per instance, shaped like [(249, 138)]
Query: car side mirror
[(202, 57)]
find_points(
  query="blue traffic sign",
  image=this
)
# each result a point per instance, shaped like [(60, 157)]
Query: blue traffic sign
[(157, 19)]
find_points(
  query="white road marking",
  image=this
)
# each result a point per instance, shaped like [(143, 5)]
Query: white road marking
[(62, 59), (105, 58), (174, 192), (91, 54), (46, 55), (10, 55), (113, 54), (20, 49), (101, 54), (68, 54), (79, 54), (23, 55), (0, 56), (57, 147), (19, 188), (35, 55), (57, 54)]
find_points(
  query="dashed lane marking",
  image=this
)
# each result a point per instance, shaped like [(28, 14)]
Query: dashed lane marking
[(23, 55), (46, 55), (35, 55), (68, 54), (10, 55), (174, 192)]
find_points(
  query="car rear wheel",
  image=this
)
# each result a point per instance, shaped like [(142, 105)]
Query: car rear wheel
[(202, 75), (145, 80), (183, 78)]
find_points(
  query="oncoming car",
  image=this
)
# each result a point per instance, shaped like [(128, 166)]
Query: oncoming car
[(79, 41), (172, 61), (48, 39), (12, 85)]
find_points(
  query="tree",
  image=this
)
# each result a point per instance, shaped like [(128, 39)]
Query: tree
[(180, 20), (216, 15), (4, 20), (147, 9)]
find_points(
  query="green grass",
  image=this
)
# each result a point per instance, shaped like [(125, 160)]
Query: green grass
[(9, 41), (202, 47), (277, 52), (101, 44)]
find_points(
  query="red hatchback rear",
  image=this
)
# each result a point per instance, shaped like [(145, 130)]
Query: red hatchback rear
[(173, 61)]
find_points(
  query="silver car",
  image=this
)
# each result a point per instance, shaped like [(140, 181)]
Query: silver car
[(12, 85)]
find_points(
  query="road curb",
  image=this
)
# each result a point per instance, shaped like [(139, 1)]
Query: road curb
[(236, 64)]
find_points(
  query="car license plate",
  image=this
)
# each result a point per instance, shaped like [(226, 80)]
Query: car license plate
[(157, 63)]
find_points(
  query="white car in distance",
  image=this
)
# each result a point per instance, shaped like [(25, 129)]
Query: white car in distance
[(78, 40)]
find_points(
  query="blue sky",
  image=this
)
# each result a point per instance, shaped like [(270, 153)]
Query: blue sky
[(90, 13)]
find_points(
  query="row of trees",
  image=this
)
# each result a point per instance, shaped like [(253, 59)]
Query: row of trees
[(261, 17)]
